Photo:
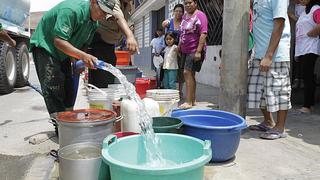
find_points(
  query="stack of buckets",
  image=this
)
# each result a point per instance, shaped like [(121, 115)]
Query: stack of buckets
[(167, 98)]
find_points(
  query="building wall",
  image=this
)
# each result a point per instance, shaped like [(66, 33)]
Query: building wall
[(147, 32), (210, 72), (145, 24), (138, 31), (143, 35)]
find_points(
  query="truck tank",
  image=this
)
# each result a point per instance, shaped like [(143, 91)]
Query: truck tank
[(14, 11), (14, 61)]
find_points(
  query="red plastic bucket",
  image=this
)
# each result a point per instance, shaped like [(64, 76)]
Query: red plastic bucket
[(142, 85), (124, 134), (153, 83), (116, 108), (123, 58)]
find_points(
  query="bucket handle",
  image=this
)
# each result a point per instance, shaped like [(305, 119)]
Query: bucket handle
[(96, 88), (118, 119), (207, 147), (54, 154), (109, 140)]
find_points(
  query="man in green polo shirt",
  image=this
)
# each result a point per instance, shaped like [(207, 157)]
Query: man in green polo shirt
[(4, 36), (61, 34)]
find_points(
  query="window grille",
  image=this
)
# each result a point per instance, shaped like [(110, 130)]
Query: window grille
[(213, 10)]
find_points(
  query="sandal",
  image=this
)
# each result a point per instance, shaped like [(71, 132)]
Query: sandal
[(260, 127), (304, 110), (185, 106), (273, 134)]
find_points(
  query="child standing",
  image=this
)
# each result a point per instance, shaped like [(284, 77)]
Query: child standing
[(170, 63)]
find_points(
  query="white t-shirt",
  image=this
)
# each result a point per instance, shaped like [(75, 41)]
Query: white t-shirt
[(304, 43), (157, 44), (299, 10), (171, 57)]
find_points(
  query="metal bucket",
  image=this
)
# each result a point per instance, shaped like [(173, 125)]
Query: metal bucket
[(82, 161), (85, 125)]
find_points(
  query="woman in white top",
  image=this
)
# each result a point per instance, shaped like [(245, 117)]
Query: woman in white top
[(308, 48), (170, 63)]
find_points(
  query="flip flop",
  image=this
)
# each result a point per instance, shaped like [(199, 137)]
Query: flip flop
[(260, 127), (273, 134), (185, 106), (304, 110)]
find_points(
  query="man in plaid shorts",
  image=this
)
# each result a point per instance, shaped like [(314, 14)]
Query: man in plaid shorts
[(269, 80)]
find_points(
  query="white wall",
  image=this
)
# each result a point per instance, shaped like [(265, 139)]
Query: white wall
[(210, 73), (138, 31), (147, 30)]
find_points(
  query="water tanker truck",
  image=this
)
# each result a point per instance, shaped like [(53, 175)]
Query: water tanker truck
[(14, 61)]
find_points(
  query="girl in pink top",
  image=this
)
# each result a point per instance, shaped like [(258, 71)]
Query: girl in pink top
[(193, 29)]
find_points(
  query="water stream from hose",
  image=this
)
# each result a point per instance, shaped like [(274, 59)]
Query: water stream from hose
[(151, 141)]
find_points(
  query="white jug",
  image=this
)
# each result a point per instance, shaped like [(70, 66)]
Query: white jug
[(129, 111)]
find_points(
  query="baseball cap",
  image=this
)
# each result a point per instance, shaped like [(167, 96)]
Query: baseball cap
[(107, 5)]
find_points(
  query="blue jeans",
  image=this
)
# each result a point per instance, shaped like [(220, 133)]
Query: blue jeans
[(169, 79)]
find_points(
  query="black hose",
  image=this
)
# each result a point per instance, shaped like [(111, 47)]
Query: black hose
[(35, 88)]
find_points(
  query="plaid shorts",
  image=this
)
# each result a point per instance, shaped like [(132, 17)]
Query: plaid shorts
[(269, 90)]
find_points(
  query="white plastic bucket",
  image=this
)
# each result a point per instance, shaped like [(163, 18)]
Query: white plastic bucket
[(103, 98), (167, 98), (112, 89)]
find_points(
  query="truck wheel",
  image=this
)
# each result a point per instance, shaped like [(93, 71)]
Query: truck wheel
[(23, 64), (8, 68)]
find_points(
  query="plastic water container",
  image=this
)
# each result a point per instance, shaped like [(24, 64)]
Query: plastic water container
[(167, 125), (167, 98), (126, 158), (129, 71), (221, 127), (129, 112), (103, 98), (123, 58), (124, 134), (142, 85)]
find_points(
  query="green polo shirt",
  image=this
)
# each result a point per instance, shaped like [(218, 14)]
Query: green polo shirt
[(70, 20)]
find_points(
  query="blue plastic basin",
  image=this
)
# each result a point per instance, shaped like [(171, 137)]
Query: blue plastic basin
[(222, 128)]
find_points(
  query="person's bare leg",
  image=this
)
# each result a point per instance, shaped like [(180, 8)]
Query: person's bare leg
[(268, 118), (189, 84), (180, 89), (281, 120), (193, 88)]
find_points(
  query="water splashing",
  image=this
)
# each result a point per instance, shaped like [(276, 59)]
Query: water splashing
[(151, 141)]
